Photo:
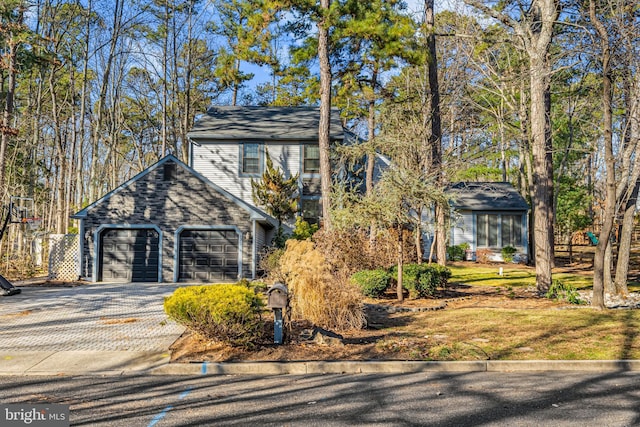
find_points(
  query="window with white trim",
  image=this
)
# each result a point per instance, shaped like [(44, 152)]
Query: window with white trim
[(498, 230), (250, 158), (311, 159)]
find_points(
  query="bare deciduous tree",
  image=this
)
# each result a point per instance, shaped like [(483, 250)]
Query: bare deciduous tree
[(534, 29)]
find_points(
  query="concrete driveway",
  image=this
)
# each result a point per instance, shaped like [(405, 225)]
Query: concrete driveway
[(122, 316), (93, 327)]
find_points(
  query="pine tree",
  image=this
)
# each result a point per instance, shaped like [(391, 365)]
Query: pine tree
[(277, 194)]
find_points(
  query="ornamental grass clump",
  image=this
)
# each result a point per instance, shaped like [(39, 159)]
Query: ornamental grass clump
[(227, 313), (315, 293)]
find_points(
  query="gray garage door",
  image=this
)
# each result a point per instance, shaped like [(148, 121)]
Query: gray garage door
[(208, 256), (129, 255)]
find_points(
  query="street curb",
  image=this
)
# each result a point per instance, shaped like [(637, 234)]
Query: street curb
[(391, 367)]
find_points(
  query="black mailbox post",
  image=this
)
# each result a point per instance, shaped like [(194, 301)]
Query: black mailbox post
[(277, 300)]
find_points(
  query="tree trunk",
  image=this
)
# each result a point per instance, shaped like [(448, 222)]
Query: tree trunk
[(542, 177), (599, 262), (418, 237), (435, 141), (400, 287), (187, 122), (624, 243), (101, 110), (535, 29), (83, 107), (371, 155), (608, 263), (371, 159), (60, 155), (165, 83), (324, 128), (6, 130), (441, 233)]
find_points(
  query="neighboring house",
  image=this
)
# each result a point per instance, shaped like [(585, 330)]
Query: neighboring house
[(489, 216), (169, 223), (229, 145)]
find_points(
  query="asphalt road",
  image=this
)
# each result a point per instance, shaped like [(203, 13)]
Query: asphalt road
[(426, 399)]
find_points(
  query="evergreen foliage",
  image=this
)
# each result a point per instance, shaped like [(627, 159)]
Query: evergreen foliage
[(228, 313), (277, 194), (373, 283), (422, 280)]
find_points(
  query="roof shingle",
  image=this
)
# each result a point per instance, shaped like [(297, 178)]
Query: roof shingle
[(486, 196), (263, 123)]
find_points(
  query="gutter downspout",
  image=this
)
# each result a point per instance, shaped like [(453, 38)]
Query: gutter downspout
[(254, 249), (81, 241)]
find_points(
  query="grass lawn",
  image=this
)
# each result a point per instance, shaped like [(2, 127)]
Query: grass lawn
[(563, 332), (512, 276), (512, 334)]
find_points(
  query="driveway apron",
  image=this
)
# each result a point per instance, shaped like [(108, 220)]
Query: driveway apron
[(95, 317)]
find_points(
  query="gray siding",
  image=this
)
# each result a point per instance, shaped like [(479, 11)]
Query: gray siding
[(463, 230), (220, 163), (286, 157)]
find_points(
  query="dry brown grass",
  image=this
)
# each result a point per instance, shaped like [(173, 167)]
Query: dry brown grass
[(549, 334), (351, 250), (316, 294)]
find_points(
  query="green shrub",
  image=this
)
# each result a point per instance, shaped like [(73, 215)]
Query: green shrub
[(442, 274), (303, 230), (422, 280), (507, 253), (228, 313), (457, 252), (564, 291), (372, 282)]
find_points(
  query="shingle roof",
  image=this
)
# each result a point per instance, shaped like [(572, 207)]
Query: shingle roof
[(255, 212), (263, 123), (486, 196)]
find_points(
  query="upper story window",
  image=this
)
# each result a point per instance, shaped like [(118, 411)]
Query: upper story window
[(311, 159), (250, 158)]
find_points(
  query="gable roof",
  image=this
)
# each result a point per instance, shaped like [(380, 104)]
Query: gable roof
[(486, 196), (255, 213), (263, 123)]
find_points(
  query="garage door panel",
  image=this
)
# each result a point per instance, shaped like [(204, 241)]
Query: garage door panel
[(208, 256), (130, 255)]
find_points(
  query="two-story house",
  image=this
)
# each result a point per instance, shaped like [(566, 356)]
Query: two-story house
[(197, 222), (229, 145)]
